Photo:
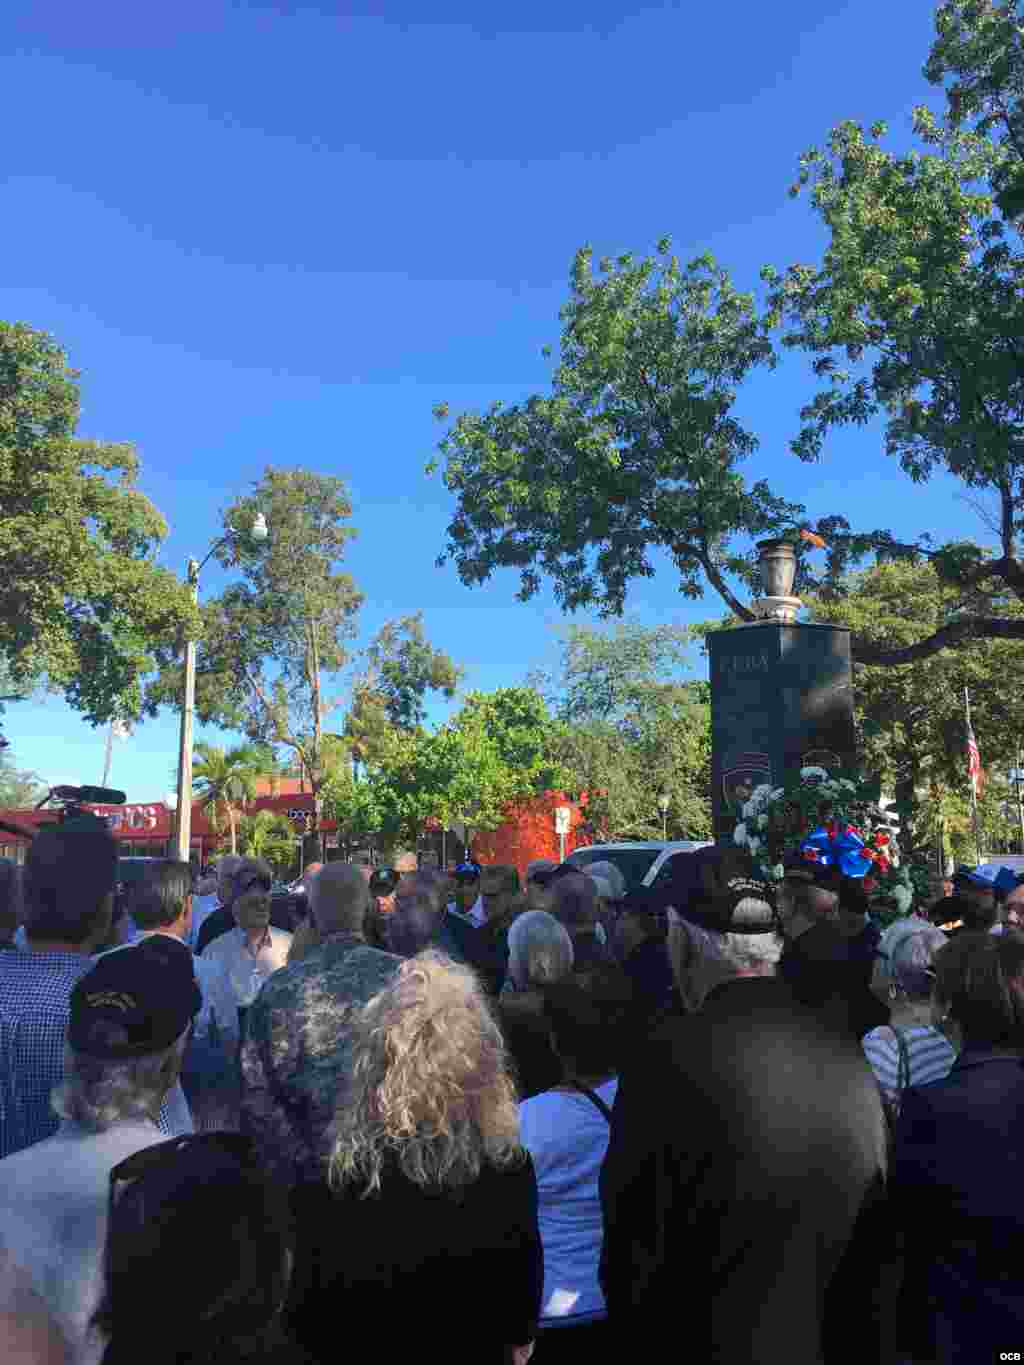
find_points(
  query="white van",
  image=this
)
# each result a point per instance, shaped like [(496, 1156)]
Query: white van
[(641, 864)]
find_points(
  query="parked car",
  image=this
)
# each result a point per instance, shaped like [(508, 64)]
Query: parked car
[(642, 863)]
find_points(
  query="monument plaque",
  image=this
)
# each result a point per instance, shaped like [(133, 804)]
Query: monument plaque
[(781, 698)]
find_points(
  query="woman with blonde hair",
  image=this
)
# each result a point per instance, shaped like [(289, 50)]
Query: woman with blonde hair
[(428, 1198)]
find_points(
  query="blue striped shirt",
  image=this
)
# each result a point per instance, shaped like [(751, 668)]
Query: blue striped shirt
[(931, 1056)]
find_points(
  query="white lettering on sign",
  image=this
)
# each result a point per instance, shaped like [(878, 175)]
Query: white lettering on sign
[(745, 663)]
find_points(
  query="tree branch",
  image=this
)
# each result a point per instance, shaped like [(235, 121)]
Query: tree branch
[(716, 580), (871, 653)]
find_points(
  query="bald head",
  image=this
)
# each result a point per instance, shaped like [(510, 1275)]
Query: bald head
[(339, 899)]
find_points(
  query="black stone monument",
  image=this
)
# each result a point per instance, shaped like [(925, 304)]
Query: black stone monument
[(781, 699)]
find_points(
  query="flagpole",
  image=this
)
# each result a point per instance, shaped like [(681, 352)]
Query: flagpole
[(974, 785), (109, 756)]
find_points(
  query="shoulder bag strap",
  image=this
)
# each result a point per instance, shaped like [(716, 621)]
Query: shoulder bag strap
[(594, 1098), (903, 1073)]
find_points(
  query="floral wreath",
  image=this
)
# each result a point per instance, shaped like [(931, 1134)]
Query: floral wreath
[(835, 821)]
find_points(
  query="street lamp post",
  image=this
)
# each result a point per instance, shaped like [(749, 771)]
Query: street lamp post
[(183, 824), (664, 801)]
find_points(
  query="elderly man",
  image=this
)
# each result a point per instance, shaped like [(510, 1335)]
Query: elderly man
[(253, 949), (467, 902), (128, 1026), (295, 1056), (69, 893), (405, 863), (218, 920), (758, 1188)]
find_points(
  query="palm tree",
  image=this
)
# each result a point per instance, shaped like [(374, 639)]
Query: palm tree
[(223, 779), (268, 835)]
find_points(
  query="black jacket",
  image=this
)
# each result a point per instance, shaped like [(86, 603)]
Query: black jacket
[(747, 1146), (429, 1274), (956, 1190)]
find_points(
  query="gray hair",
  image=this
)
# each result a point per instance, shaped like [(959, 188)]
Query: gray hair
[(574, 901), (419, 905), (702, 958), (339, 897), (98, 1093), (226, 869), (539, 949), (610, 874), (908, 947)]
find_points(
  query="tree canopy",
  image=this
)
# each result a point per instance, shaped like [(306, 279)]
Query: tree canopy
[(914, 315), (82, 600), (272, 642)]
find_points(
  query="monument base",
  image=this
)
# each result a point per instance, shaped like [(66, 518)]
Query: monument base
[(781, 699)]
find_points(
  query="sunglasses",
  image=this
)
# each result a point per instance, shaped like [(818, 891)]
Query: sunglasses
[(165, 1154)]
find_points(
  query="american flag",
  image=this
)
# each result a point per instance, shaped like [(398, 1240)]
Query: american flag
[(975, 772)]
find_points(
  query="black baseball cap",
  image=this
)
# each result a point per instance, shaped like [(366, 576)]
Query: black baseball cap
[(384, 881), (135, 1001)]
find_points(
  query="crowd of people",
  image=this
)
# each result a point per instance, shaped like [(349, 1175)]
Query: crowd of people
[(478, 1118)]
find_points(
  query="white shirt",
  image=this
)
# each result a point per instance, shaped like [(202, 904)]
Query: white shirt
[(53, 1220), (245, 970), (567, 1137), (218, 1005)]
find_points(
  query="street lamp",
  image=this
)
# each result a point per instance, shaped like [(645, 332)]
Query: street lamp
[(664, 801), (183, 825)]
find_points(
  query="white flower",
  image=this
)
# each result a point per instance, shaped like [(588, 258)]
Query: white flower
[(904, 898), (762, 822), (762, 792), (778, 872), (748, 809), (848, 784), (813, 774), (753, 843), (739, 835), (779, 791)]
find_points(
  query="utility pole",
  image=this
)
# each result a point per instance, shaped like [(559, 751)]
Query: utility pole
[(109, 755), (183, 824)]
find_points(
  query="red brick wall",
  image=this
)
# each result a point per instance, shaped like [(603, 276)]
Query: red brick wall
[(529, 834)]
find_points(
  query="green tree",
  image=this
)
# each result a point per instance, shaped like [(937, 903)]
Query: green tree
[(272, 643), (81, 597), (911, 720), (224, 780), (630, 730), (19, 789), (916, 313), (268, 835), (635, 449), (404, 667)]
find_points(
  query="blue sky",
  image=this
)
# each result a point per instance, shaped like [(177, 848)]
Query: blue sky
[(281, 234)]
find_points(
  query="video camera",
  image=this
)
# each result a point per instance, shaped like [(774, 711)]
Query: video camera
[(73, 801)]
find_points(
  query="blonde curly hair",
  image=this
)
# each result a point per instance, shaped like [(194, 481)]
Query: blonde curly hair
[(430, 1083)]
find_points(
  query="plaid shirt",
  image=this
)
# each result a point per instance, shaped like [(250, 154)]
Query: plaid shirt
[(35, 1001)]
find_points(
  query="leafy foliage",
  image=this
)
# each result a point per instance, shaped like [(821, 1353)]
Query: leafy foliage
[(224, 780), (81, 599), (271, 642), (630, 731), (636, 447), (916, 311), (19, 789), (268, 835), (911, 718), (404, 666)]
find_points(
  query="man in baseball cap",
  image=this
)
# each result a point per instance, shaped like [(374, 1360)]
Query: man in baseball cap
[(129, 1025)]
